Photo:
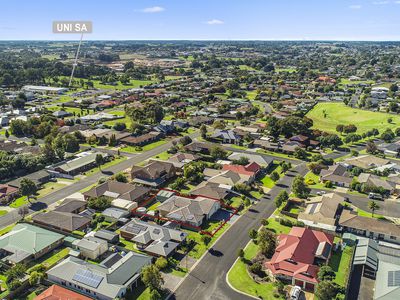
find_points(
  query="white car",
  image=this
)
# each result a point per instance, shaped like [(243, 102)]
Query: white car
[(295, 292)]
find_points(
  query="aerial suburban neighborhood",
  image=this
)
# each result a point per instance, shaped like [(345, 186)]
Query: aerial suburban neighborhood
[(214, 165)]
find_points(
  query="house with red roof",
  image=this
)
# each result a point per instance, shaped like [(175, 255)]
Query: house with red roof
[(297, 255), (56, 292), (251, 169), (8, 193)]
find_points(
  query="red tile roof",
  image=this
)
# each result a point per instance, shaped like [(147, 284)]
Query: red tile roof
[(250, 169), (6, 190), (56, 292), (295, 254)]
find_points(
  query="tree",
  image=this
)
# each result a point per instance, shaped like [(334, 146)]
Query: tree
[(326, 273), (267, 242), (299, 188), (300, 153), (99, 203), (161, 263), (218, 153), (253, 234), (186, 140), (388, 135), (371, 147), (340, 128), (151, 277), (23, 211), (155, 295), (274, 176), (241, 253), (99, 160), (112, 141), (27, 188), (35, 278), (285, 166), (351, 128), (7, 134), (205, 239), (281, 198), (121, 177), (327, 290), (203, 131), (241, 161), (373, 206)]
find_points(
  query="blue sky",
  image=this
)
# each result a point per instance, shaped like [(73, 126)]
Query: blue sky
[(205, 19)]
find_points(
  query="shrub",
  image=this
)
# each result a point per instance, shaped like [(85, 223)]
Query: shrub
[(285, 222), (161, 263)]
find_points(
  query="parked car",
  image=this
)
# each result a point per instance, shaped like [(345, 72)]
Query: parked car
[(375, 196), (295, 292)]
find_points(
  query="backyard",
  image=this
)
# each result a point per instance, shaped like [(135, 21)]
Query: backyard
[(340, 263)]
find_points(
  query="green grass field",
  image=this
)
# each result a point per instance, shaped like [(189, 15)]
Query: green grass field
[(239, 278), (339, 113), (340, 263)]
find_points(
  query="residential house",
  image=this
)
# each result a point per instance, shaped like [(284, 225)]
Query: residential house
[(303, 141), (114, 214), (251, 170), (225, 177), (180, 159), (143, 139), (61, 114), (70, 205), (153, 174), (212, 190), (187, 210), (27, 242), (371, 180), (39, 178), (119, 190), (366, 162), (198, 147), (56, 292), (63, 221), (392, 149), (110, 279), (263, 161), (8, 193), (226, 136), (107, 235), (85, 161), (322, 212), (369, 227), (297, 254), (154, 239), (337, 174), (91, 247)]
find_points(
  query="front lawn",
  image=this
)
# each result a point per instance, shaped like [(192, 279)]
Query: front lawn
[(239, 278), (367, 214), (340, 262), (3, 212), (21, 201), (200, 248), (277, 227), (113, 162), (132, 149)]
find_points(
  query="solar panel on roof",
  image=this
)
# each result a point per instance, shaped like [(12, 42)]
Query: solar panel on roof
[(393, 278), (87, 277)]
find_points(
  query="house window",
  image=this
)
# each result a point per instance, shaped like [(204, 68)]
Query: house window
[(392, 237)]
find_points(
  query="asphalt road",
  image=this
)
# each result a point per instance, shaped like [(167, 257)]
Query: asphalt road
[(207, 279), (45, 201), (387, 207)]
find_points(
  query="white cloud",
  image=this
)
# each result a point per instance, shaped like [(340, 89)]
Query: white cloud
[(355, 6), (215, 22), (152, 10), (380, 2)]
